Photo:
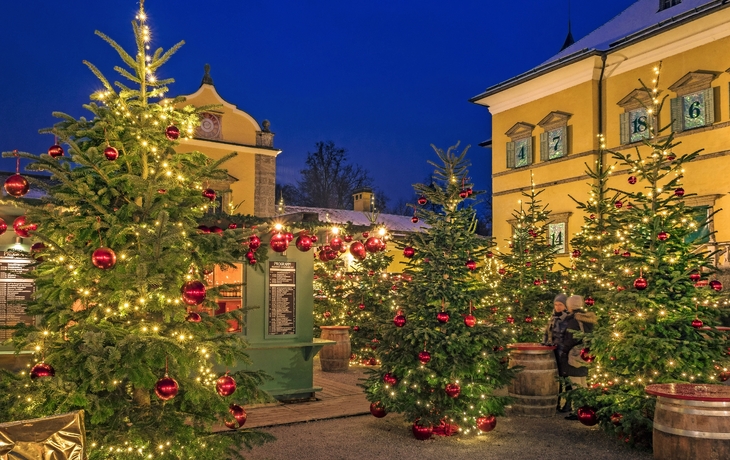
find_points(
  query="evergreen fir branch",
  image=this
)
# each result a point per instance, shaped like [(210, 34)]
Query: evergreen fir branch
[(122, 53)]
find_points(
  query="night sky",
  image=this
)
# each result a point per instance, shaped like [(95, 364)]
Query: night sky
[(382, 79)]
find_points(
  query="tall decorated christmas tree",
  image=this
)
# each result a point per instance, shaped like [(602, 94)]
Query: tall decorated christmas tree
[(441, 361), (126, 333), (522, 302), (659, 327)]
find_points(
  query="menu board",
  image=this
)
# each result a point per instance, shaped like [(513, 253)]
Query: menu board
[(282, 298), (15, 292)]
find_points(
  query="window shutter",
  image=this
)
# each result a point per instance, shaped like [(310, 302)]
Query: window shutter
[(544, 152), (675, 106), (529, 151), (624, 128), (510, 154), (709, 106)]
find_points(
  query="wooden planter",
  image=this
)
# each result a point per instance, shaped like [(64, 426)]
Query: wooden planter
[(535, 388), (691, 421), (335, 358)]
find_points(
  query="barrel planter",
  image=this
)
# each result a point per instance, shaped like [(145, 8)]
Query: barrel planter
[(335, 358), (535, 388), (691, 421)]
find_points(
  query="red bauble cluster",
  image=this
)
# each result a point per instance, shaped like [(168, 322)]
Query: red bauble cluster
[(470, 320), (279, 242), (640, 284), (471, 265), (377, 410), (409, 252), (193, 292), (487, 423), (55, 151), (166, 388), (103, 258), (304, 243), (424, 357), (225, 385), (587, 416), (42, 370), (111, 153), (172, 132), (399, 320), (453, 390), (16, 185)]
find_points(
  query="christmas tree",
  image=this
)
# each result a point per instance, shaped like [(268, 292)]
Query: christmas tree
[(440, 364), (523, 300), (659, 326), (118, 244)]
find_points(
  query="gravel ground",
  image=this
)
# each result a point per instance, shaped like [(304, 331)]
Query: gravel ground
[(365, 437)]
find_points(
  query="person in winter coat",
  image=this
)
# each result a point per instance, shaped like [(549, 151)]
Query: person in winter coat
[(556, 328), (576, 320)]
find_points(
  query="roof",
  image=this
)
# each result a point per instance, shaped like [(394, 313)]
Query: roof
[(392, 222), (637, 22)]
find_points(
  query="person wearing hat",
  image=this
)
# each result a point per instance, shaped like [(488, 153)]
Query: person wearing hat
[(554, 336)]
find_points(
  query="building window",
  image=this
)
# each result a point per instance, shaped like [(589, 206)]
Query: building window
[(636, 124), (554, 139), (556, 236), (694, 106), (664, 4), (519, 149)]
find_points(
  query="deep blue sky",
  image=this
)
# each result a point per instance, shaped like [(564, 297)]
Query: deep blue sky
[(383, 79)]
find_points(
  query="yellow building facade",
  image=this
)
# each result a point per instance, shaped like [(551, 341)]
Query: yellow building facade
[(545, 122), (225, 128)]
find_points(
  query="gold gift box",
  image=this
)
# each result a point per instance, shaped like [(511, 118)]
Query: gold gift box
[(61, 437)]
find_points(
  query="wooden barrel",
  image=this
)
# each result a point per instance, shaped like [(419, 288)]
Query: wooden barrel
[(691, 421), (535, 388), (335, 358)]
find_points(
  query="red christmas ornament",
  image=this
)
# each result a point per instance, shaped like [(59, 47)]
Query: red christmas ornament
[(111, 153), (390, 379), (36, 247), (279, 243), (203, 228), (420, 432), (238, 413), (172, 132), (250, 255), (304, 243), (422, 200), (225, 385), (326, 314), (589, 301), (357, 249), (632, 180), (414, 219), (372, 361), (592, 216), (528, 319), (537, 282), (408, 252), (194, 317), (471, 265), (3, 226), (716, 285), (103, 258), (490, 254), (161, 191), (697, 323), (470, 320), (365, 234), (671, 157), (695, 276), (289, 237), (510, 319), (640, 284), (254, 242), (348, 238), (618, 204), (55, 151), (355, 328), (626, 254), (42, 370), (679, 192), (724, 376), (501, 271), (442, 317), (336, 244), (576, 253), (232, 226), (193, 292), (486, 424), (166, 388), (463, 193), (662, 236), (586, 356), (453, 390), (616, 418), (209, 193), (528, 264), (372, 244), (361, 306), (21, 228), (16, 185), (217, 230), (587, 416), (424, 357), (377, 410), (399, 320), (469, 191), (620, 288)]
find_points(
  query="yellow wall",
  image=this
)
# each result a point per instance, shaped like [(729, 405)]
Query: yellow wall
[(706, 176)]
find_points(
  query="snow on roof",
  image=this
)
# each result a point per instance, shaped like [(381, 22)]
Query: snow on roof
[(392, 222), (642, 15)]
